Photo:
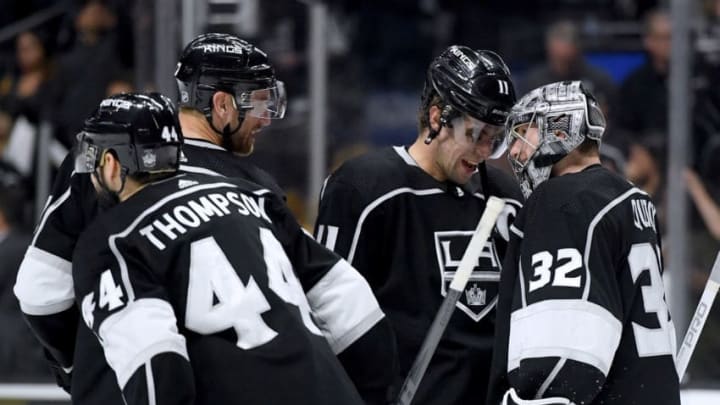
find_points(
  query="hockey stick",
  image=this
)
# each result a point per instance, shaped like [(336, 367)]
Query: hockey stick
[(698, 321), (457, 286)]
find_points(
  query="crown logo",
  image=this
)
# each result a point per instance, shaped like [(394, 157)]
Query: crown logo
[(475, 295), (149, 159)]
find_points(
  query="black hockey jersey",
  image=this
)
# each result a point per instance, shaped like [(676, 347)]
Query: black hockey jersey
[(204, 157), (406, 233), (44, 285), (206, 270), (582, 312)]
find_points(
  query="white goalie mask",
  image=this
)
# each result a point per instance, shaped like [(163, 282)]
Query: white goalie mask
[(564, 114)]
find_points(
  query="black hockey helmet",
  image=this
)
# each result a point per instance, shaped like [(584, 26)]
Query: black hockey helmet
[(142, 129), (472, 82), (222, 62)]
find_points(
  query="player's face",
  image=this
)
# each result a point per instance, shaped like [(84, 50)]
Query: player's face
[(243, 140), (467, 143), (524, 142)]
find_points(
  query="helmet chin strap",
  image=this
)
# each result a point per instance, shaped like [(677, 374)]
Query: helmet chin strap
[(106, 197), (447, 110), (227, 132)]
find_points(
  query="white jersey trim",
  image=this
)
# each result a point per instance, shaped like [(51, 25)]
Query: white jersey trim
[(150, 381), (555, 371), (405, 155), (375, 204), (137, 333), (591, 230), (322, 189), (113, 238), (573, 329), (200, 170), (343, 306), (517, 231), (44, 284), (203, 144), (49, 210)]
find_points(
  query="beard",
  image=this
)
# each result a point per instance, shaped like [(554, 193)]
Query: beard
[(107, 199)]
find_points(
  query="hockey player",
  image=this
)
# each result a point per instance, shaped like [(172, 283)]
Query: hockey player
[(228, 92), (200, 288), (214, 71), (403, 217), (582, 316)]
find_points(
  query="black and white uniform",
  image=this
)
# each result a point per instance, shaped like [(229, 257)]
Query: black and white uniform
[(197, 287), (44, 284), (406, 233), (205, 157), (582, 312)]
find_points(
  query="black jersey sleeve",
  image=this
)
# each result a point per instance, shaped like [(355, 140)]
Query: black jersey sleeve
[(565, 325), (125, 304), (44, 285), (345, 226), (344, 308), (341, 206)]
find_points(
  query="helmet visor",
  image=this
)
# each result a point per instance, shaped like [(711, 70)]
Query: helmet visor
[(88, 152), (467, 129), (264, 103), (86, 157)]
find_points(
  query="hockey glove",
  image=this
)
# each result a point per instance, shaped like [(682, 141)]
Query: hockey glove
[(511, 398), (63, 376)]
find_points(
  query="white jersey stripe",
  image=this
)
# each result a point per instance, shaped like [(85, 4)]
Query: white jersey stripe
[(375, 204), (555, 371), (44, 283), (200, 170), (517, 231), (322, 189), (141, 330), (591, 230), (150, 381), (405, 156), (49, 210), (573, 329), (340, 323), (202, 144)]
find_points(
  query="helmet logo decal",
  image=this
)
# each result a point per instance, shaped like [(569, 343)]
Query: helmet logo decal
[(149, 159), (464, 58), (215, 48), (184, 96), (117, 103)]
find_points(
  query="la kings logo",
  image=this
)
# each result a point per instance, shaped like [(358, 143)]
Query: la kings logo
[(480, 294)]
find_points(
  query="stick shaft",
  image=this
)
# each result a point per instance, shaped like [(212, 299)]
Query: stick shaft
[(697, 323), (457, 286)]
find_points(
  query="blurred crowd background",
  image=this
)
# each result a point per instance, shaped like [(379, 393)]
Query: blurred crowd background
[(58, 59)]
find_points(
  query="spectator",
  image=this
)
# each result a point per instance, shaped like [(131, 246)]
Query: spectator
[(646, 166), (6, 123), (22, 92), (122, 83), (85, 72), (565, 62), (642, 105), (704, 202)]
